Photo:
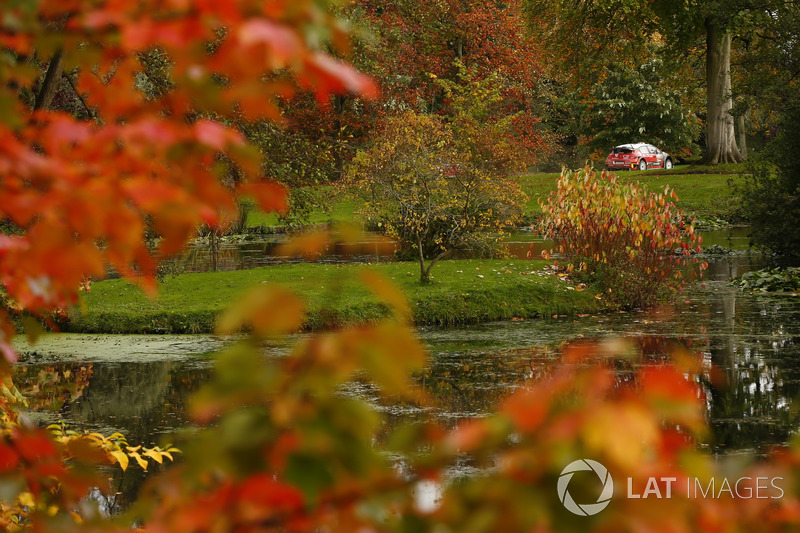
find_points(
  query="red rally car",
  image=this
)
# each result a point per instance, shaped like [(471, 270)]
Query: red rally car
[(638, 156)]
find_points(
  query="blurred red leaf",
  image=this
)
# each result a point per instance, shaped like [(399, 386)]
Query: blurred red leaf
[(271, 196)]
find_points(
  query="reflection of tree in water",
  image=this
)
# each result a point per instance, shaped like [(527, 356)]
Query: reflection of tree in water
[(754, 408), (48, 387), (462, 383), (751, 377), (469, 383), (144, 401)]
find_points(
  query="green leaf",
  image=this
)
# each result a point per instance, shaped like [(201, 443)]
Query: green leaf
[(308, 473), (33, 328)]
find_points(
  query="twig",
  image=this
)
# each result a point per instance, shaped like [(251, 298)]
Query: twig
[(89, 110)]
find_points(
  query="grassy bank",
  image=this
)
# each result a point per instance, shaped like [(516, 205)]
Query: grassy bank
[(702, 191), (462, 292)]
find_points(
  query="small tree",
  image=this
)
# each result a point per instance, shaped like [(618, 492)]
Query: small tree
[(420, 190)]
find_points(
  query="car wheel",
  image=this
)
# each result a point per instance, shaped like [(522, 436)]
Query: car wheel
[(668, 164), (642, 165)]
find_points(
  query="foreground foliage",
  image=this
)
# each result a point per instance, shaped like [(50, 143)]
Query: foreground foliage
[(279, 448), (634, 243), (71, 182)]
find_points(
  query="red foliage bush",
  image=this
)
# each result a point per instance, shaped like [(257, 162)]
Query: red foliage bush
[(633, 242)]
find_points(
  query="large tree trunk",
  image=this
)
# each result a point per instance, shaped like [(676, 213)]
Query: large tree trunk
[(720, 132)]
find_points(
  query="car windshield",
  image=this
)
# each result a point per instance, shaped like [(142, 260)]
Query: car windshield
[(621, 150)]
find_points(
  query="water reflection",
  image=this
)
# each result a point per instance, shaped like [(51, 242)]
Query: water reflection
[(263, 252)]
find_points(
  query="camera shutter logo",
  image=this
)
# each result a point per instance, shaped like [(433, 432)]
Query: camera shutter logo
[(588, 509)]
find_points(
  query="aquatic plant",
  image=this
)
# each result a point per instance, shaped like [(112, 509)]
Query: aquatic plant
[(771, 280)]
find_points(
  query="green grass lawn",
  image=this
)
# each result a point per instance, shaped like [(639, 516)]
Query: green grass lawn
[(341, 208), (461, 292), (702, 191)]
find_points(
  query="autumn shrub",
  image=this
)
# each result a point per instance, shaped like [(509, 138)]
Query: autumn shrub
[(634, 243), (420, 189)]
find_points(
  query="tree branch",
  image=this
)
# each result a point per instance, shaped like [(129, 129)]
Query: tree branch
[(89, 110), (51, 81)]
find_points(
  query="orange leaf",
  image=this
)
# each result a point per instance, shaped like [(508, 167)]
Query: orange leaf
[(215, 135), (310, 245), (528, 409), (268, 310), (271, 196), (387, 291), (284, 44)]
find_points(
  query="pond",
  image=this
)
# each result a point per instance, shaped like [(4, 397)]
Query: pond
[(139, 385)]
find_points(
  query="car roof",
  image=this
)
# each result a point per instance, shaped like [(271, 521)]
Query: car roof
[(632, 146)]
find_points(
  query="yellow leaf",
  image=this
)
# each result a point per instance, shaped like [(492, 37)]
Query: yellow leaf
[(121, 458), (26, 499), (154, 454), (139, 459), (625, 434), (97, 437)]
